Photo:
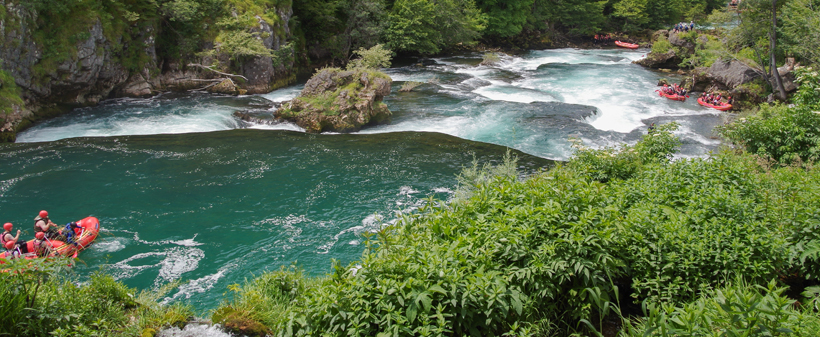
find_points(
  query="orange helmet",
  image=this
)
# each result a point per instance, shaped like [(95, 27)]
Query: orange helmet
[(40, 235), (8, 226), (43, 214)]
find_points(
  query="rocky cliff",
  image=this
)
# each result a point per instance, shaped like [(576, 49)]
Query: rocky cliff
[(339, 101), (94, 69)]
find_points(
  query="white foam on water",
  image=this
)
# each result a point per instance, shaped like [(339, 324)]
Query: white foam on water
[(511, 93), (195, 330), (201, 117), (174, 262), (287, 126), (198, 286), (109, 245), (284, 94)]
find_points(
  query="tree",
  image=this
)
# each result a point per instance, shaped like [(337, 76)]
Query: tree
[(800, 29), (758, 30), (576, 17), (505, 17), (425, 26), (633, 12)]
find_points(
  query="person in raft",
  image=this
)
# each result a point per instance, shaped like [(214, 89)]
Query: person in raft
[(10, 242), (41, 247), (43, 224)]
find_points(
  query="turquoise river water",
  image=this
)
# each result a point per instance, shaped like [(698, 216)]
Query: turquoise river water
[(185, 191)]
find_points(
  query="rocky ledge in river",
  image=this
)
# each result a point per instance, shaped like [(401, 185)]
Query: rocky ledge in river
[(339, 101)]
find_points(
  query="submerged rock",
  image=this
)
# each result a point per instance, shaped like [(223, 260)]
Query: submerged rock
[(339, 101)]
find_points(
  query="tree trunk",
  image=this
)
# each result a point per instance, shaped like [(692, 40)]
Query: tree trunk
[(772, 44)]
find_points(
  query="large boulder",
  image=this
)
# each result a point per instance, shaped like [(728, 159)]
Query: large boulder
[(339, 101), (732, 74), (668, 60), (676, 40)]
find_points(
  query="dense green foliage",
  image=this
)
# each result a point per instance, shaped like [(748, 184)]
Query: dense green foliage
[(37, 299), (9, 94), (739, 310), (782, 133), (801, 29), (545, 254)]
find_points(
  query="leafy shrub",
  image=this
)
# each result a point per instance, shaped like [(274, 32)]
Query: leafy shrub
[(373, 58), (808, 94), (781, 133), (661, 46), (622, 162), (547, 254), (9, 93), (778, 133), (737, 310), (37, 300), (692, 225)]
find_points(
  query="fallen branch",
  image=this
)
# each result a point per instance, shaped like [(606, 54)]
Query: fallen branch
[(217, 71), (207, 86), (209, 80)]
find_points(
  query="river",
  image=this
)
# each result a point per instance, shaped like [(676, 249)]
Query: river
[(186, 192)]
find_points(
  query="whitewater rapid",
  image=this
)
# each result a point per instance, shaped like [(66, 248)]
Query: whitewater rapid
[(533, 102)]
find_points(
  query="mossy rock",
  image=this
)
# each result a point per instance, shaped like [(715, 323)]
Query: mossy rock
[(239, 323), (339, 101)]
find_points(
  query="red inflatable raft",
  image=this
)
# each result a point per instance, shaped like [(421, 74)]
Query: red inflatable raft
[(626, 45), (674, 97), (84, 234), (721, 107)]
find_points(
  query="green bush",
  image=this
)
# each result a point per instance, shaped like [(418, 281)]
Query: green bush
[(737, 310), (373, 58), (9, 93), (545, 254), (623, 162), (39, 299), (661, 46), (785, 134), (779, 133)]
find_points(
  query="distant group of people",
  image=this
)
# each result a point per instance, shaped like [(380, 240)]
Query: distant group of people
[(45, 231), (674, 89), (602, 38), (715, 99), (684, 27)]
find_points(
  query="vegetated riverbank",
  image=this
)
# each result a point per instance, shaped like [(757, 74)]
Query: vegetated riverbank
[(725, 243)]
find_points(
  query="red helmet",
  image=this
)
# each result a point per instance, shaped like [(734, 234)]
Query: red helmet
[(40, 235), (43, 214), (8, 226), (10, 245)]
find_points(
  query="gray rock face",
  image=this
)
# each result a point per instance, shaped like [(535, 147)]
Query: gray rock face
[(676, 40), (732, 74), (669, 60), (262, 71), (94, 73), (82, 79)]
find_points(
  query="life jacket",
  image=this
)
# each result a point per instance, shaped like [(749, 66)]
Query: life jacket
[(3, 238), (37, 228), (41, 248)]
